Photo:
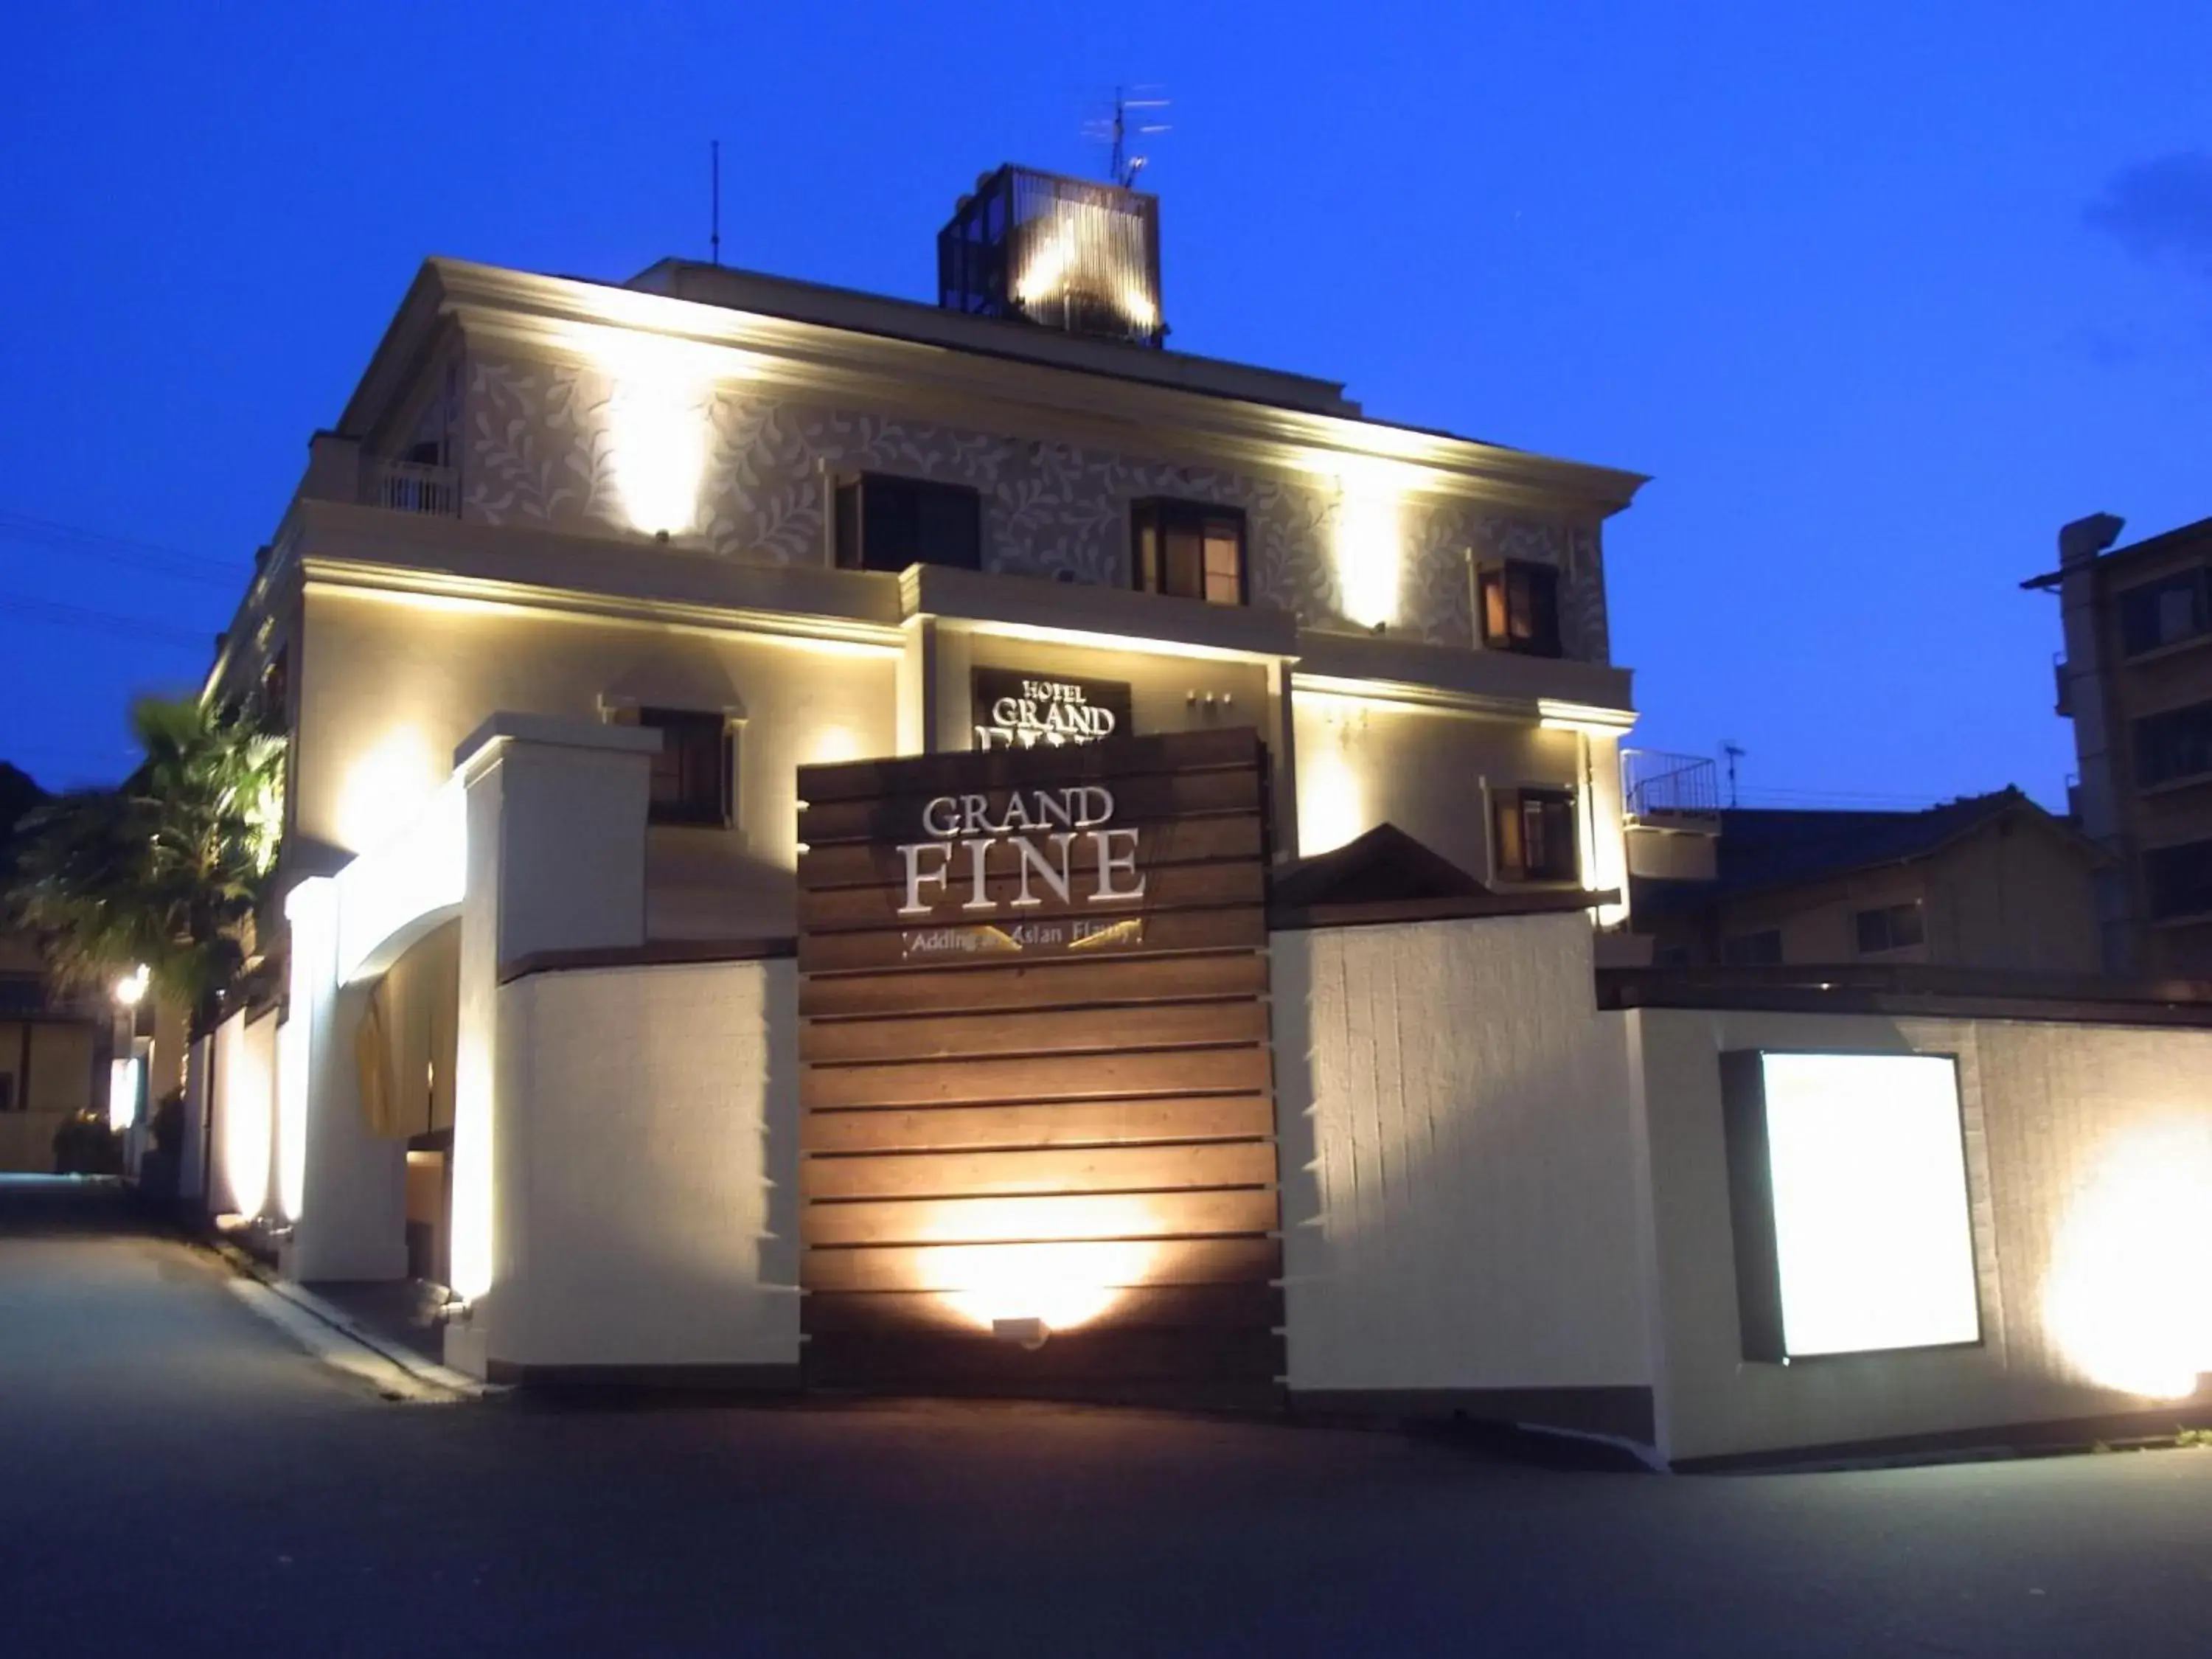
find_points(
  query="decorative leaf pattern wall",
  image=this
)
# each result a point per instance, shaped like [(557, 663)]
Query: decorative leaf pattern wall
[(539, 452)]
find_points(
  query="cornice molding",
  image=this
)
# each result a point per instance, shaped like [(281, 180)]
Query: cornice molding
[(1009, 395), (403, 582)]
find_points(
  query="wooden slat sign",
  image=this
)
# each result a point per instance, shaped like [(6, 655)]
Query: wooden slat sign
[(1036, 1085)]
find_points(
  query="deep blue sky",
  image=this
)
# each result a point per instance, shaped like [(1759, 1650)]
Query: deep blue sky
[(1880, 294)]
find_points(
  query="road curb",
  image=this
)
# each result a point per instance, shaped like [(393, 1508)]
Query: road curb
[(338, 1339)]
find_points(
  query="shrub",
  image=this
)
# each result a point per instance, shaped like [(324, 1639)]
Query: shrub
[(84, 1145)]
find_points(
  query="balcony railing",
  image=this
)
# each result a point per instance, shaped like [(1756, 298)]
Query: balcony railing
[(1655, 784), (411, 487)]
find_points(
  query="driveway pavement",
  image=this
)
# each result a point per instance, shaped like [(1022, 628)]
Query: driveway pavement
[(176, 1478)]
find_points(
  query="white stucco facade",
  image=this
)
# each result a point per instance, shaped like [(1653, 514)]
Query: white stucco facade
[(652, 1213), (1460, 1194)]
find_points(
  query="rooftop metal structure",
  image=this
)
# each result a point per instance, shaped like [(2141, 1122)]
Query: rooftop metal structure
[(1070, 254)]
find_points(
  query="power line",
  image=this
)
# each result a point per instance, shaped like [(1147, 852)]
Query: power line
[(118, 550), (59, 615), (1840, 799)]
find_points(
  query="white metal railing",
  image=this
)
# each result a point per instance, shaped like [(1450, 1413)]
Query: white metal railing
[(412, 487), (1654, 784)]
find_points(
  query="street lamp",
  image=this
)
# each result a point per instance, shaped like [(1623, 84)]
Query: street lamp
[(123, 1074), (132, 986)]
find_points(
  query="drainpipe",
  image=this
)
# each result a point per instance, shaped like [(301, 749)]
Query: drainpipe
[(2080, 545)]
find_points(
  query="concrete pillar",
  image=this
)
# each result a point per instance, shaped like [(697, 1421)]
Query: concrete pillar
[(556, 813), (951, 670), (1281, 736), (348, 1185), (917, 685), (333, 469)]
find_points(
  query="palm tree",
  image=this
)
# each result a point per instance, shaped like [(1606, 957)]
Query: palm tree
[(167, 868)]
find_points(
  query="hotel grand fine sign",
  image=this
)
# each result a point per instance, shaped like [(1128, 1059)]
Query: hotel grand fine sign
[(1066, 852), (1029, 850), (1024, 970), (1013, 709)]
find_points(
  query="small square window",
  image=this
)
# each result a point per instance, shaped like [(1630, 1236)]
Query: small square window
[(1760, 949), (1535, 834), (2175, 745), (691, 775), (1519, 607), (1890, 927), (2165, 612), (2178, 880), (882, 523), (1189, 549)]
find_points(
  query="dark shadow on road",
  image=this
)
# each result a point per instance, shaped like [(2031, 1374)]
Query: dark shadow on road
[(42, 1205)]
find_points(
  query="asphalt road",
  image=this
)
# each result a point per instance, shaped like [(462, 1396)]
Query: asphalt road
[(176, 1478)]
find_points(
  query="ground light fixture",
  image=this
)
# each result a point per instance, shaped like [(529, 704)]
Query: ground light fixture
[(1027, 1333)]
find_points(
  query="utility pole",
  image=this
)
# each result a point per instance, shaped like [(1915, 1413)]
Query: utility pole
[(1734, 751)]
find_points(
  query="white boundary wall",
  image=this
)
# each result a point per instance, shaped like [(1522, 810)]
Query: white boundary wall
[(1460, 1188), (655, 1221), (2088, 1154)]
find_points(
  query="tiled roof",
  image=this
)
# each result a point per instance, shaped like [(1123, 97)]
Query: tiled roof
[(1763, 847)]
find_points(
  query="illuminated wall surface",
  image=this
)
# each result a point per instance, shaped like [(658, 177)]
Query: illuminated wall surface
[(2129, 1299), (1848, 1180), (639, 434), (123, 1093), (245, 1074)]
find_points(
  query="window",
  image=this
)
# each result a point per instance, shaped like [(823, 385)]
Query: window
[(1189, 549), (888, 524), (1535, 834), (2165, 612), (2174, 744), (1520, 607), (692, 773), (2178, 880), (1760, 949), (274, 699), (1890, 927)]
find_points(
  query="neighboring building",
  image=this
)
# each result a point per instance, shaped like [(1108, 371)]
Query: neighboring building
[(2136, 682), (54, 1043), (1991, 882)]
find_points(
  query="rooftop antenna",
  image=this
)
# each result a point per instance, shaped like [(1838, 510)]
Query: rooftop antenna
[(1734, 751), (715, 204), (1125, 123)]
